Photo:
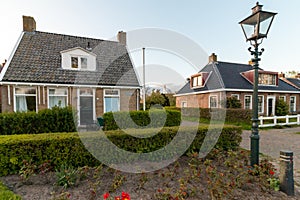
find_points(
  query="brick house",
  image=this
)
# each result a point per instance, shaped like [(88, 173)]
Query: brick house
[(47, 69), (218, 80)]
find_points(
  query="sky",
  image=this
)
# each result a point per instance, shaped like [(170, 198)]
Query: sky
[(212, 25)]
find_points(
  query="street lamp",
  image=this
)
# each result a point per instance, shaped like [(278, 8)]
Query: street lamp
[(256, 28)]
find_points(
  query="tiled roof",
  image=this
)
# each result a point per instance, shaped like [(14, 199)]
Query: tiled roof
[(294, 81), (37, 59), (228, 76)]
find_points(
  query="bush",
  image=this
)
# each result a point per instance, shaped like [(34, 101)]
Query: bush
[(232, 114), (233, 102), (45, 121), (137, 119), (281, 108), (67, 148), (6, 194)]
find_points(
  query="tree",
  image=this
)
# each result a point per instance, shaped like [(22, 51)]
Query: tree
[(156, 98), (233, 102), (281, 108)]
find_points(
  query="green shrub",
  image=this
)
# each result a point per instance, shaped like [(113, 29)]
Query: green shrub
[(45, 121), (281, 108), (6, 194), (67, 148), (138, 119)]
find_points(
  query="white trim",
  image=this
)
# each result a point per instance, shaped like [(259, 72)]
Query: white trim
[(39, 92), (111, 96), (11, 56), (8, 95), (237, 90), (68, 85), (273, 106), (48, 96), (44, 97), (80, 48), (216, 101), (250, 101), (295, 104)]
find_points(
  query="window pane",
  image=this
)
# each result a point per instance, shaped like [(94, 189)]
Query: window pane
[(195, 80), (83, 63), (58, 91), (247, 102), (213, 102), (57, 101), (111, 104), (74, 62), (23, 90), (112, 92), (260, 104), (87, 91), (25, 103)]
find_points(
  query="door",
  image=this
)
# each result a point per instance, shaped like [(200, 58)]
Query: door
[(86, 110), (271, 106)]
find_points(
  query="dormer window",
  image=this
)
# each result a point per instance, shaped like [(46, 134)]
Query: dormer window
[(265, 78), (199, 80), (78, 59)]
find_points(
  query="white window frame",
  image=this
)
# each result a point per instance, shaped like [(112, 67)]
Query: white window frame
[(209, 101), (111, 95), (79, 57), (250, 106), (268, 81), (295, 103), (283, 97), (236, 95), (16, 95), (274, 105), (50, 95), (262, 104), (183, 103)]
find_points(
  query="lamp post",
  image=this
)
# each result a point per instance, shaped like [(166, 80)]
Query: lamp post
[(256, 28)]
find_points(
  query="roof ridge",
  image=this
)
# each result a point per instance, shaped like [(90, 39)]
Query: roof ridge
[(67, 35), (218, 74)]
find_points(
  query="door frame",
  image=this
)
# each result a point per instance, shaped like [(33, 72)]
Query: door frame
[(273, 106), (78, 103)]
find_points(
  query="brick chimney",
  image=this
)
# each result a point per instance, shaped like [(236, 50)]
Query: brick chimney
[(212, 58), (281, 75), (122, 37), (29, 24)]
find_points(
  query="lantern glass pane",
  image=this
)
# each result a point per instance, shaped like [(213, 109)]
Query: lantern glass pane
[(264, 26)]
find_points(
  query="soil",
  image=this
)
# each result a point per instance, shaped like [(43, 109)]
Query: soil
[(174, 180)]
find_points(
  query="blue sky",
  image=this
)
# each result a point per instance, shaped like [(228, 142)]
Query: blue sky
[(212, 24)]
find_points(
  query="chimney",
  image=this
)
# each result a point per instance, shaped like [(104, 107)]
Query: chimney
[(122, 37), (29, 24), (281, 75), (212, 58)]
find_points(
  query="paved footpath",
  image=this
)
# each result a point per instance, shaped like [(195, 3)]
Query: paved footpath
[(274, 140)]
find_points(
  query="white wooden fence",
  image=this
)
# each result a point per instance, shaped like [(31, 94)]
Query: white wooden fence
[(275, 122)]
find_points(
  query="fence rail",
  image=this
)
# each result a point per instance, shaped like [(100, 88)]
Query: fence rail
[(280, 120)]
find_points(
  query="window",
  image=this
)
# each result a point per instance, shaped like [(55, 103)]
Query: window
[(292, 104), (197, 81), (236, 96), (248, 102), (282, 98), (213, 101), (74, 62), (267, 79), (25, 99), (183, 104), (57, 97), (260, 104), (111, 100)]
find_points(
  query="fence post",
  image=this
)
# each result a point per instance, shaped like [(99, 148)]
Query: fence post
[(261, 120), (275, 120), (298, 119), (287, 119), (286, 176)]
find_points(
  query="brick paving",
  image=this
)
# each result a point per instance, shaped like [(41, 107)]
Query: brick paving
[(274, 140)]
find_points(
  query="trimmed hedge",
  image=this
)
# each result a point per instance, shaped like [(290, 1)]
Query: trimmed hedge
[(6, 194), (67, 148), (45, 121), (138, 119), (232, 114)]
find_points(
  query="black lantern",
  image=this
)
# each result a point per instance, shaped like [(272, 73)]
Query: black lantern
[(257, 25)]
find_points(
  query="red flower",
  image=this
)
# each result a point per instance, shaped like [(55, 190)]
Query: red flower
[(118, 198), (106, 195), (272, 172), (125, 196)]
